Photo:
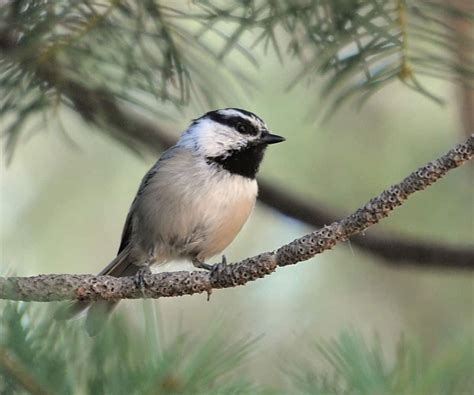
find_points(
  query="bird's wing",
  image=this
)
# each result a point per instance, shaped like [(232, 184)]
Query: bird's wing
[(119, 266), (127, 229)]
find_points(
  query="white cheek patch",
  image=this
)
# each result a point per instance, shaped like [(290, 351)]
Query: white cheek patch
[(212, 139)]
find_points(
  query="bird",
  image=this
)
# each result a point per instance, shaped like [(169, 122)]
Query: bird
[(193, 201)]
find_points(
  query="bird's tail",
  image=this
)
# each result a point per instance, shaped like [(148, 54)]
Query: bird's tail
[(99, 311)]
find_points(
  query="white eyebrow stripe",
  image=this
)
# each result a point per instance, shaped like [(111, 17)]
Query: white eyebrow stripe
[(229, 112), (234, 113)]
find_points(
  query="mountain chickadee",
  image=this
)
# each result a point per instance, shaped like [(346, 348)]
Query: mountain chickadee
[(193, 201)]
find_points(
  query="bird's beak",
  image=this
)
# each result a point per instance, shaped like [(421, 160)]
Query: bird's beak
[(268, 138)]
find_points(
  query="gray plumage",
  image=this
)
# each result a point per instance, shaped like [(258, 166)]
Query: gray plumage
[(195, 199)]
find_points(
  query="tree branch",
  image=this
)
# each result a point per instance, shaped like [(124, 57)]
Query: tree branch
[(393, 249), (99, 107), (102, 109), (87, 287)]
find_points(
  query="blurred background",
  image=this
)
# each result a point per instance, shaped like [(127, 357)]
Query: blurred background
[(67, 190)]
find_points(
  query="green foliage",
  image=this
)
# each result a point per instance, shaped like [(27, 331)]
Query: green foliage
[(62, 359), (136, 51), (46, 360), (359, 368), (363, 45), (58, 357), (152, 55)]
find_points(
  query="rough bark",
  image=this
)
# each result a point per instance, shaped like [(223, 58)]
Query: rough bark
[(99, 107), (87, 287)]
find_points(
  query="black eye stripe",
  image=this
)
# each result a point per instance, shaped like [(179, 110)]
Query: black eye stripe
[(238, 123)]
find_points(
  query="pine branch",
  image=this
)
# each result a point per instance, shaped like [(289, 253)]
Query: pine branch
[(87, 287), (139, 50), (99, 107), (393, 249)]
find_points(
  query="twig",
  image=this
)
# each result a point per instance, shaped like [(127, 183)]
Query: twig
[(87, 287), (392, 248), (101, 108)]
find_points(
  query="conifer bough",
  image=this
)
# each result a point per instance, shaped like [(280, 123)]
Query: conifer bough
[(56, 287)]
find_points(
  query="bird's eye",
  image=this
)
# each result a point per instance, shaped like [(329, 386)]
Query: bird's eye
[(242, 128)]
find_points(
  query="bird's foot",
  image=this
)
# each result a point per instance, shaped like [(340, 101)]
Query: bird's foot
[(202, 265), (139, 279)]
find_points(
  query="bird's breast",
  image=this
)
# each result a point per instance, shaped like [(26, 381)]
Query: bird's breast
[(229, 205), (190, 210)]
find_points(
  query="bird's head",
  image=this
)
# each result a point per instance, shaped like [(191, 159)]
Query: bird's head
[(233, 138)]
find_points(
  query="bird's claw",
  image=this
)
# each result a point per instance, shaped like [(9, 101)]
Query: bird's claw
[(139, 279), (206, 266)]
